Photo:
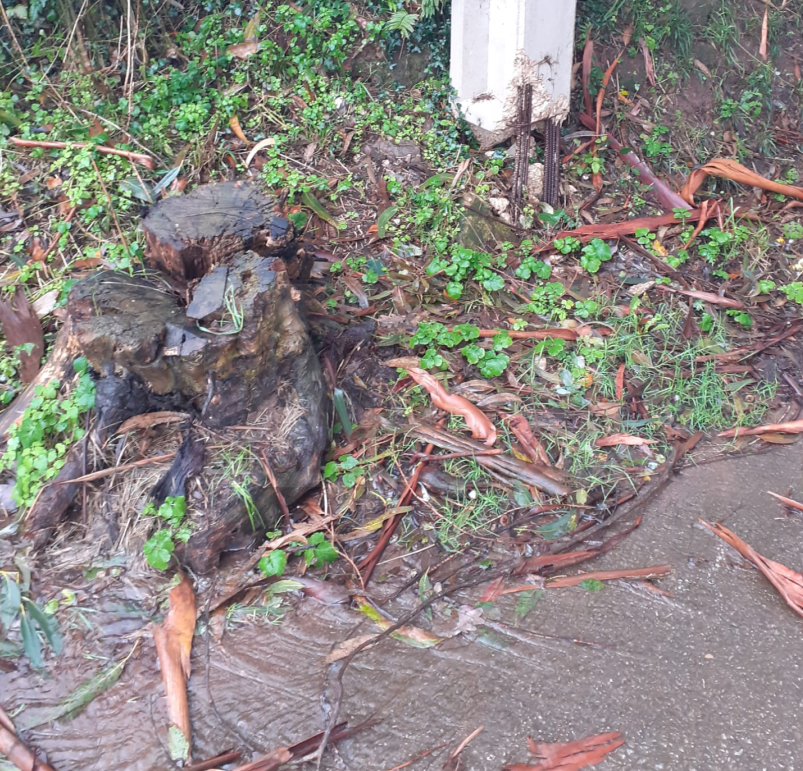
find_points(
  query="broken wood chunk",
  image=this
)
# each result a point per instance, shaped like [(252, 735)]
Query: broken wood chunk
[(188, 235)]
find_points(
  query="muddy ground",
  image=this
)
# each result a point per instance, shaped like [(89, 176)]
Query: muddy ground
[(707, 678)]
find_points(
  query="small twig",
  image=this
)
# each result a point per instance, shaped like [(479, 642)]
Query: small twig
[(422, 458), (338, 668), (275, 485), (142, 160), (371, 561), (416, 758), (114, 469)]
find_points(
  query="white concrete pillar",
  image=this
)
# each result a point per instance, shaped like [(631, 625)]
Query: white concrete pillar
[(498, 45)]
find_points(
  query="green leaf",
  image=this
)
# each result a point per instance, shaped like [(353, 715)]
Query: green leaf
[(177, 744), (299, 220), (473, 353), (502, 340), (316, 538), (30, 642), (273, 563), (339, 400), (311, 202), (47, 624), (10, 599), (526, 603), (435, 179), (384, 219), (330, 470), (326, 553), (454, 289), (348, 462), (592, 585), (159, 549), (494, 283), (494, 364), (284, 586)]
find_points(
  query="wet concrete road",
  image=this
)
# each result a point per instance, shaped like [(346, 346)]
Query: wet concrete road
[(707, 681)]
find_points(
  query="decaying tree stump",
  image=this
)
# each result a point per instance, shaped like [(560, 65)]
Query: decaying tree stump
[(238, 355), (190, 234)]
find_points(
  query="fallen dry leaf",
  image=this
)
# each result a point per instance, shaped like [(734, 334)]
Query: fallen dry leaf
[(21, 326), (531, 446), (173, 639), (347, 647), (627, 439), (261, 145), (236, 129), (570, 756), (477, 421), (788, 583), (620, 382), (765, 26), (243, 50), (787, 501), (709, 297), (728, 169), (792, 427)]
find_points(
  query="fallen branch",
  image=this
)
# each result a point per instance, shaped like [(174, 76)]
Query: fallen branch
[(370, 562), (107, 472), (333, 689), (141, 159), (282, 755), (215, 762)]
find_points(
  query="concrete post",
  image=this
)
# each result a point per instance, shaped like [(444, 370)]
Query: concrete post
[(499, 45)]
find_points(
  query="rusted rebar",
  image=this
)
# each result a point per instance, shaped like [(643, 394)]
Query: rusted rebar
[(551, 194)]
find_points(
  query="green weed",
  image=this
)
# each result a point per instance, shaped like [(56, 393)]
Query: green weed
[(37, 446)]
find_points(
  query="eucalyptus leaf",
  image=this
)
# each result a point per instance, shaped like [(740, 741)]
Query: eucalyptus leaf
[(74, 703), (339, 399), (10, 599), (47, 624), (311, 202), (30, 642), (526, 602), (384, 219)]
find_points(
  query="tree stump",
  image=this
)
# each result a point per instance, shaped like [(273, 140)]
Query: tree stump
[(238, 355), (188, 235)]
